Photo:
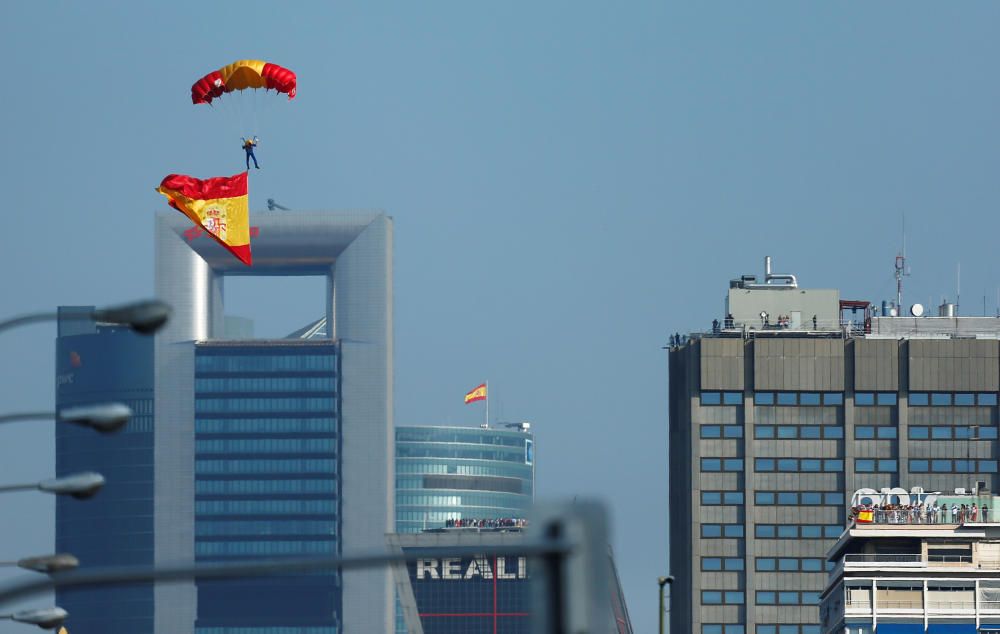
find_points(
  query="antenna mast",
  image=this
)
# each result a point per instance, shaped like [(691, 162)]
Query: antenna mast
[(901, 272)]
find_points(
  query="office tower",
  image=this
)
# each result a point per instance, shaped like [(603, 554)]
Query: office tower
[(255, 448), (454, 473), (922, 570), (100, 364), (794, 399)]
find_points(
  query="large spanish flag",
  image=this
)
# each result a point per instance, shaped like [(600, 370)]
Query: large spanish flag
[(477, 393), (217, 205)]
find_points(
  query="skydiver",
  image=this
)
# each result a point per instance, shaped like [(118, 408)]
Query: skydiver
[(248, 145)]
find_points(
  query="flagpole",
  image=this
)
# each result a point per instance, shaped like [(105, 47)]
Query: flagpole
[(487, 404)]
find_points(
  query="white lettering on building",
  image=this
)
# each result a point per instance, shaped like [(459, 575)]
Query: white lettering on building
[(427, 566), (451, 568)]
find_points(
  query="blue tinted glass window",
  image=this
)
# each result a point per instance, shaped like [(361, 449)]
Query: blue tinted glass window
[(735, 628), (711, 629), (812, 565), (962, 433), (887, 466), (733, 530), (833, 398), (810, 465), (788, 598), (811, 498), (766, 629), (788, 629), (788, 497), (988, 398), (988, 433), (918, 399), (763, 431), (732, 497), (734, 563), (766, 564), (711, 497), (763, 464), (711, 563), (834, 498), (940, 398), (832, 531), (919, 466), (833, 431), (833, 465), (864, 465), (711, 530), (734, 598), (788, 530), (732, 464), (786, 432), (810, 629), (864, 432), (786, 398), (764, 498), (711, 431), (988, 466), (711, 464), (965, 400), (764, 531), (962, 466), (765, 598), (787, 464), (886, 432), (810, 598), (919, 433), (763, 398), (864, 398), (941, 432), (811, 532), (809, 398), (788, 564), (886, 398), (711, 398), (733, 431), (711, 597), (810, 431), (732, 398)]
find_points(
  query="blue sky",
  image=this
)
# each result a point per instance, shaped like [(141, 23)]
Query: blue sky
[(570, 183)]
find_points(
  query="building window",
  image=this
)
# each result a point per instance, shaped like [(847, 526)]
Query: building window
[(864, 398), (766, 598), (987, 399), (885, 398), (711, 563), (722, 628), (809, 398), (918, 399), (919, 466), (718, 597), (763, 398), (718, 531), (711, 431), (715, 564), (919, 433), (721, 398), (716, 498), (711, 597), (940, 399), (965, 400), (787, 398)]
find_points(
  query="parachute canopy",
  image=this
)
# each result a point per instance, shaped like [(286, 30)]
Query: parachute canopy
[(247, 73)]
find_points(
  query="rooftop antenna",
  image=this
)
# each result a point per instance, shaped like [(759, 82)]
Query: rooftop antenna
[(271, 205), (901, 269), (958, 288)]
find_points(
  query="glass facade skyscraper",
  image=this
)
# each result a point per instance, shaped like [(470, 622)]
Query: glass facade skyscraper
[(267, 482), (99, 364), (451, 473)]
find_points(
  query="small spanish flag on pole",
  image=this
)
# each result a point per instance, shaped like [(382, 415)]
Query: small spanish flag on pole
[(480, 393), (217, 205)]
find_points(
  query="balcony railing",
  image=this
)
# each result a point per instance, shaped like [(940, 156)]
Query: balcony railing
[(862, 558)]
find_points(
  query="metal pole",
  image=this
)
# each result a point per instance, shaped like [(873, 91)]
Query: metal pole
[(661, 608)]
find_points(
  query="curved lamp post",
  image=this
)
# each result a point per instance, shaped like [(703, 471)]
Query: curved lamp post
[(663, 581), (145, 317), (45, 618), (79, 485), (103, 417), (47, 564)]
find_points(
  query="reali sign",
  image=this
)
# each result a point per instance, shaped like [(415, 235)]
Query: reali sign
[(457, 568)]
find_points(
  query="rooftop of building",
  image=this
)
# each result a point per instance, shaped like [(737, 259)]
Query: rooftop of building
[(776, 306)]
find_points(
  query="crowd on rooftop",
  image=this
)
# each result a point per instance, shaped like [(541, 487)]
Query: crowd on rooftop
[(500, 522), (919, 513)]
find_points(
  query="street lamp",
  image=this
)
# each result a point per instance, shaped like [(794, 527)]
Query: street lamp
[(47, 564), (45, 618), (663, 581), (103, 417), (145, 317), (79, 485)]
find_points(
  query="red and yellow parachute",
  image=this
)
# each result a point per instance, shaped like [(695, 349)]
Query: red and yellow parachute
[(247, 73)]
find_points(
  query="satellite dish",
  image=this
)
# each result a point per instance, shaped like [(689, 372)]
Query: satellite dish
[(917, 310)]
